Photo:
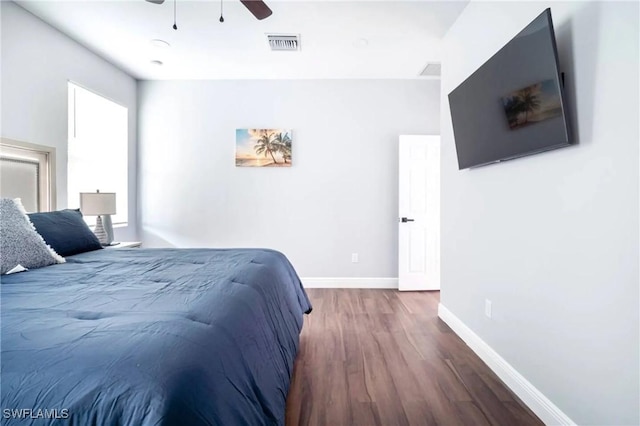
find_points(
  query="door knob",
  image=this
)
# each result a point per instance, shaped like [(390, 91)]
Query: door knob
[(405, 220)]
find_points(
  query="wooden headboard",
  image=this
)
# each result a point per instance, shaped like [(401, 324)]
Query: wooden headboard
[(27, 171)]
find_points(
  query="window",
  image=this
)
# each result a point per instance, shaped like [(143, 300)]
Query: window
[(97, 149), (27, 171)]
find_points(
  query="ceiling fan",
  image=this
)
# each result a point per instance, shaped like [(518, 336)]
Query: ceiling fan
[(257, 7)]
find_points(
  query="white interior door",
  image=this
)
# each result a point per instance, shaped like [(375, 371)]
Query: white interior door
[(419, 213)]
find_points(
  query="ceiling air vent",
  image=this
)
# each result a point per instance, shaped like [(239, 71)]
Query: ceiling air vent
[(284, 42), (431, 70)]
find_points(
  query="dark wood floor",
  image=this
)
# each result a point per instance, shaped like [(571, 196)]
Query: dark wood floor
[(381, 357)]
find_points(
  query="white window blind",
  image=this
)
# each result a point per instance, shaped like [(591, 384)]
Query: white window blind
[(26, 173), (97, 149)]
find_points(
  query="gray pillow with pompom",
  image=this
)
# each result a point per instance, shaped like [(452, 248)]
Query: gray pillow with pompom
[(20, 244)]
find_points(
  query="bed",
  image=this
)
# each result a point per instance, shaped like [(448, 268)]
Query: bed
[(151, 337)]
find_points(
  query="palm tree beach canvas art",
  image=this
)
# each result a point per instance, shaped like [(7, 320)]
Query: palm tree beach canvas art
[(538, 102), (263, 147)]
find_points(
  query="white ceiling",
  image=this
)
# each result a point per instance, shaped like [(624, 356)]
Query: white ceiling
[(400, 37)]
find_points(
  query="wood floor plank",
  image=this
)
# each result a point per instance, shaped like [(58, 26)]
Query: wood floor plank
[(471, 414), (418, 413), (496, 387), (382, 357)]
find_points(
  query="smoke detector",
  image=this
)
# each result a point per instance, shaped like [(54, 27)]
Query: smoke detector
[(431, 70), (282, 42)]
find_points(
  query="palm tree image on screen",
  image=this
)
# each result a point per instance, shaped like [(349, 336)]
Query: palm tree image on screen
[(532, 104)]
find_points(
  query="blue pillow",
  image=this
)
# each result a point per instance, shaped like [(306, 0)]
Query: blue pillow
[(65, 231)]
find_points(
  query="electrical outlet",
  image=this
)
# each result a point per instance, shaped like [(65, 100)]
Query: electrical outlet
[(354, 257), (487, 308)]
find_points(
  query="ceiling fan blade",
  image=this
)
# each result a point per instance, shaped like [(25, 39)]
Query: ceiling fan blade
[(156, 1), (259, 9)]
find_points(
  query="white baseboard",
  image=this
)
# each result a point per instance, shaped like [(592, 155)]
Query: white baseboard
[(349, 282), (546, 410)]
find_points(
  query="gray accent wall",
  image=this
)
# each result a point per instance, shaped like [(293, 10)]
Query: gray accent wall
[(339, 197), (552, 239)]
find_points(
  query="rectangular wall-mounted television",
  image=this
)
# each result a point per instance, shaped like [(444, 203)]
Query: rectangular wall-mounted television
[(513, 105)]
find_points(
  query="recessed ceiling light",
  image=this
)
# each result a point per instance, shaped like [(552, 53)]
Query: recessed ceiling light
[(157, 63), (361, 43), (160, 43)]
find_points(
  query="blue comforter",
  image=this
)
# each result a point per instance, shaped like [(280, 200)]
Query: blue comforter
[(151, 337)]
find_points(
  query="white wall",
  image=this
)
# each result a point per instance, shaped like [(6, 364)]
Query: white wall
[(552, 239), (37, 63), (339, 197)]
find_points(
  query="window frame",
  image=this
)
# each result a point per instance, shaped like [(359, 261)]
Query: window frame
[(45, 156), (72, 132)]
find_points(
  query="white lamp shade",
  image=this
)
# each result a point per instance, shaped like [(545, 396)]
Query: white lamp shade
[(97, 203)]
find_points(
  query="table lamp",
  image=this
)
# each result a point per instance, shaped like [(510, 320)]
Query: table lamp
[(101, 204)]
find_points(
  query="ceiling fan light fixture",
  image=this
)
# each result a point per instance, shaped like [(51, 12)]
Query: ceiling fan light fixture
[(258, 8)]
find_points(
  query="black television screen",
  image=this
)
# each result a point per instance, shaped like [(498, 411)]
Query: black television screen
[(513, 105)]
